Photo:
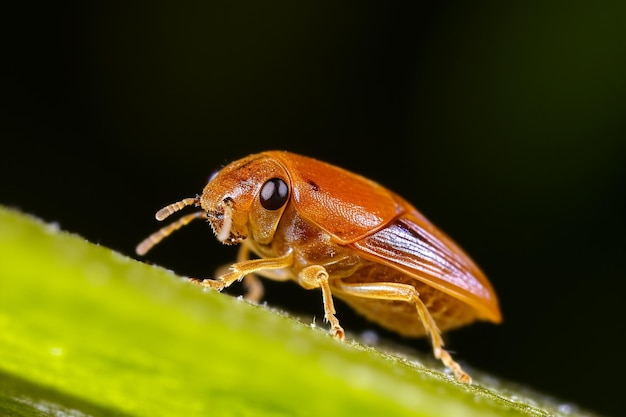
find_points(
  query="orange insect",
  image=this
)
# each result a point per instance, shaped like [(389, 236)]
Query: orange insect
[(325, 227)]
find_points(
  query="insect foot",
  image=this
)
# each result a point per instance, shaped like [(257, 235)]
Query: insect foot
[(447, 360), (213, 284)]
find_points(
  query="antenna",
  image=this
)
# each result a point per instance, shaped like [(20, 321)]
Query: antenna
[(149, 242)]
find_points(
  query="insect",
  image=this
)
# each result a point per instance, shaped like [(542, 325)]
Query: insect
[(324, 227)]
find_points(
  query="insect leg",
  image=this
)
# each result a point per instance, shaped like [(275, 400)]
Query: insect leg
[(408, 293), (251, 282), (243, 268), (315, 276)]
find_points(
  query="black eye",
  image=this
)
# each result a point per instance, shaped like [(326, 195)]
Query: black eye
[(274, 194)]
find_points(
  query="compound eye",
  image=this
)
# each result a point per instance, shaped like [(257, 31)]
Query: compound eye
[(274, 194)]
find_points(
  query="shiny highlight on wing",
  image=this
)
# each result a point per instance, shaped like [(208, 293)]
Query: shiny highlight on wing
[(416, 247)]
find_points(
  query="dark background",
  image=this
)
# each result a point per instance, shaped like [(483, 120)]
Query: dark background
[(503, 124)]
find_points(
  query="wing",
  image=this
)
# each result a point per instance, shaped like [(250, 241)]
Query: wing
[(416, 247)]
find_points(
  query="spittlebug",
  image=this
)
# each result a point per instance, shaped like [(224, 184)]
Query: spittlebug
[(325, 227)]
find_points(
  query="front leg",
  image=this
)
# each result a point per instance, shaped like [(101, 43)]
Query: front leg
[(251, 282), (243, 268)]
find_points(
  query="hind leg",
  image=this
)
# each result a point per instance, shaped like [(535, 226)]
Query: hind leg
[(408, 293)]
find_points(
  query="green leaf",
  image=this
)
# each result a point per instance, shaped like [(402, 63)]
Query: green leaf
[(87, 331)]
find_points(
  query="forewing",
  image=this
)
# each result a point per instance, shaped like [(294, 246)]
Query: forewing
[(415, 246)]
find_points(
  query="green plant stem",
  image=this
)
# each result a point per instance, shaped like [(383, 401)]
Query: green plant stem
[(88, 331)]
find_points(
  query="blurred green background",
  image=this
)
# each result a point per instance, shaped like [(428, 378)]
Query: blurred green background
[(504, 124)]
